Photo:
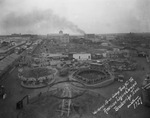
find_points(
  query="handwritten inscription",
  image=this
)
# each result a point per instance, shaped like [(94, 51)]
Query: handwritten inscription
[(126, 94), (135, 102)]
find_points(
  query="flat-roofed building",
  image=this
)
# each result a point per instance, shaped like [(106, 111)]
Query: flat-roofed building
[(82, 56), (59, 38)]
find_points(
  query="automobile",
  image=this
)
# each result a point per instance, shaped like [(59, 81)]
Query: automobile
[(120, 78), (2, 92)]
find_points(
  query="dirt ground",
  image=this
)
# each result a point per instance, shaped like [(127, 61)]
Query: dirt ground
[(15, 93)]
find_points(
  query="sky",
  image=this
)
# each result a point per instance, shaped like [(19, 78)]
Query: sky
[(74, 16)]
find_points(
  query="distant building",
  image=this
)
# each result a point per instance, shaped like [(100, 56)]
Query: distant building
[(82, 56), (54, 56), (97, 56), (92, 37), (64, 38), (16, 37), (89, 36), (60, 38), (132, 51), (104, 44), (117, 54), (110, 37), (51, 55), (76, 36)]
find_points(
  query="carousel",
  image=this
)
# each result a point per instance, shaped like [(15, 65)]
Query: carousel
[(36, 77)]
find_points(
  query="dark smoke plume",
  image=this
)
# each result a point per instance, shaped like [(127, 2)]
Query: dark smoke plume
[(37, 21), (1, 2)]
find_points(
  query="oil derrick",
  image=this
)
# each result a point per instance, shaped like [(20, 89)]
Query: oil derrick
[(66, 103)]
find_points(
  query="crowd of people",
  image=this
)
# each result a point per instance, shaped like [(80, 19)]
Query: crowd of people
[(91, 76)]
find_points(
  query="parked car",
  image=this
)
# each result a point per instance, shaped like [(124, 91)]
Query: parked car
[(2, 92), (120, 78)]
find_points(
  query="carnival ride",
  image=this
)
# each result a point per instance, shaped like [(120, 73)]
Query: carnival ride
[(36, 77), (93, 78)]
